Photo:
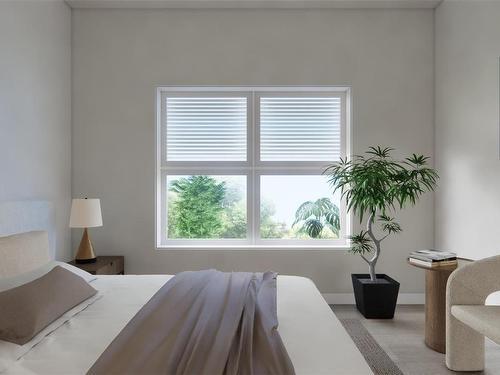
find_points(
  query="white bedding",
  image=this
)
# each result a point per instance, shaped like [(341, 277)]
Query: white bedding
[(314, 338)]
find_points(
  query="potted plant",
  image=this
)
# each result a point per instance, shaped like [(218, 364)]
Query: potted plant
[(373, 186)]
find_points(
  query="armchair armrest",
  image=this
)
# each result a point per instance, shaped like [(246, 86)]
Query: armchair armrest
[(471, 284)]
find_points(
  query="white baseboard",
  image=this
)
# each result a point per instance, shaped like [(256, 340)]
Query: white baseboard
[(348, 298)]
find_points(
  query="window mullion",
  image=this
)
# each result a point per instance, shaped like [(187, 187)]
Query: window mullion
[(253, 194)]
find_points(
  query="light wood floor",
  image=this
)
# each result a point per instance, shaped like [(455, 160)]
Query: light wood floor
[(402, 339)]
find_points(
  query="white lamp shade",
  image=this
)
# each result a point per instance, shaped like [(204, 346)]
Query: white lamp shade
[(85, 213)]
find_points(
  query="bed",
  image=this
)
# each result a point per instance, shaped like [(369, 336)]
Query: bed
[(315, 340)]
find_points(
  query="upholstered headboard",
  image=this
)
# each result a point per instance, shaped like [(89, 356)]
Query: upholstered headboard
[(21, 251)]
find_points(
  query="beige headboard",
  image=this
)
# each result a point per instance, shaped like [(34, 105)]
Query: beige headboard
[(26, 236), (23, 252)]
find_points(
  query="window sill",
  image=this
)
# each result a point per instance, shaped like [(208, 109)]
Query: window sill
[(255, 247)]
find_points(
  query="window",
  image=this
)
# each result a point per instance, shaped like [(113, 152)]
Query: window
[(243, 166)]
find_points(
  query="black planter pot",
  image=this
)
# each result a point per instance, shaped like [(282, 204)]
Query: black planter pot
[(375, 299)]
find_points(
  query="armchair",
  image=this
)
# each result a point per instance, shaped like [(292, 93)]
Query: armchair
[(468, 320)]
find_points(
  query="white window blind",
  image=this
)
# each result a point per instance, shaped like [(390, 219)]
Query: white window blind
[(206, 128), (300, 128)]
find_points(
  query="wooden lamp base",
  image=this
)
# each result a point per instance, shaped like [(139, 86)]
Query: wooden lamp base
[(85, 253)]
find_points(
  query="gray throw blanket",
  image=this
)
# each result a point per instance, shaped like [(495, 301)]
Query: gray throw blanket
[(203, 322)]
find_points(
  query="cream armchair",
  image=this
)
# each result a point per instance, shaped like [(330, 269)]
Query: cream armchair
[(468, 320)]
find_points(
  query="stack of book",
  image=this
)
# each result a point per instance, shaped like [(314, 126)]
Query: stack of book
[(433, 258)]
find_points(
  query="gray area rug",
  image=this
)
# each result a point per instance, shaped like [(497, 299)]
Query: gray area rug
[(376, 357)]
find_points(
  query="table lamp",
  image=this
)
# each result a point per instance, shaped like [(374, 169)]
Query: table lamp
[(85, 213)]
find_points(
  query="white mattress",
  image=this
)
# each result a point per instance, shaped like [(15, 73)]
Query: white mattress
[(314, 338)]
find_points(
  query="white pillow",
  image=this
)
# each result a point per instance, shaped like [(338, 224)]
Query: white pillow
[(88, 277), (7, 283)]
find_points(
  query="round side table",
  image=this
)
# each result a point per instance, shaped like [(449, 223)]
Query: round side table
[(435, 305)]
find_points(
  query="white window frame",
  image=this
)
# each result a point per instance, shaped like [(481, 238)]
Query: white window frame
[(252, 168)]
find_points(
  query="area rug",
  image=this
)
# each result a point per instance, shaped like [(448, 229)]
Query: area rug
[(376, 357)]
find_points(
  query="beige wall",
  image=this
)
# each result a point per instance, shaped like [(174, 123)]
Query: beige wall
[(35, 107), (119, 56), (467, 123)]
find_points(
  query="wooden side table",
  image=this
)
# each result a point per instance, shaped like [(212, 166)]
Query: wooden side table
[(435, 305), (104, 265)]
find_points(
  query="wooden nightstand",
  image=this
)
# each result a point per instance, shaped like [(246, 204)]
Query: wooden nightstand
[(104, 265)]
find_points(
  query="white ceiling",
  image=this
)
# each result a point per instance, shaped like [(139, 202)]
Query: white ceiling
[(138, 4)]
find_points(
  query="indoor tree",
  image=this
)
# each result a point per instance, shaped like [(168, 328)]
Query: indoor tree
[(316, 216), (374, 185)]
